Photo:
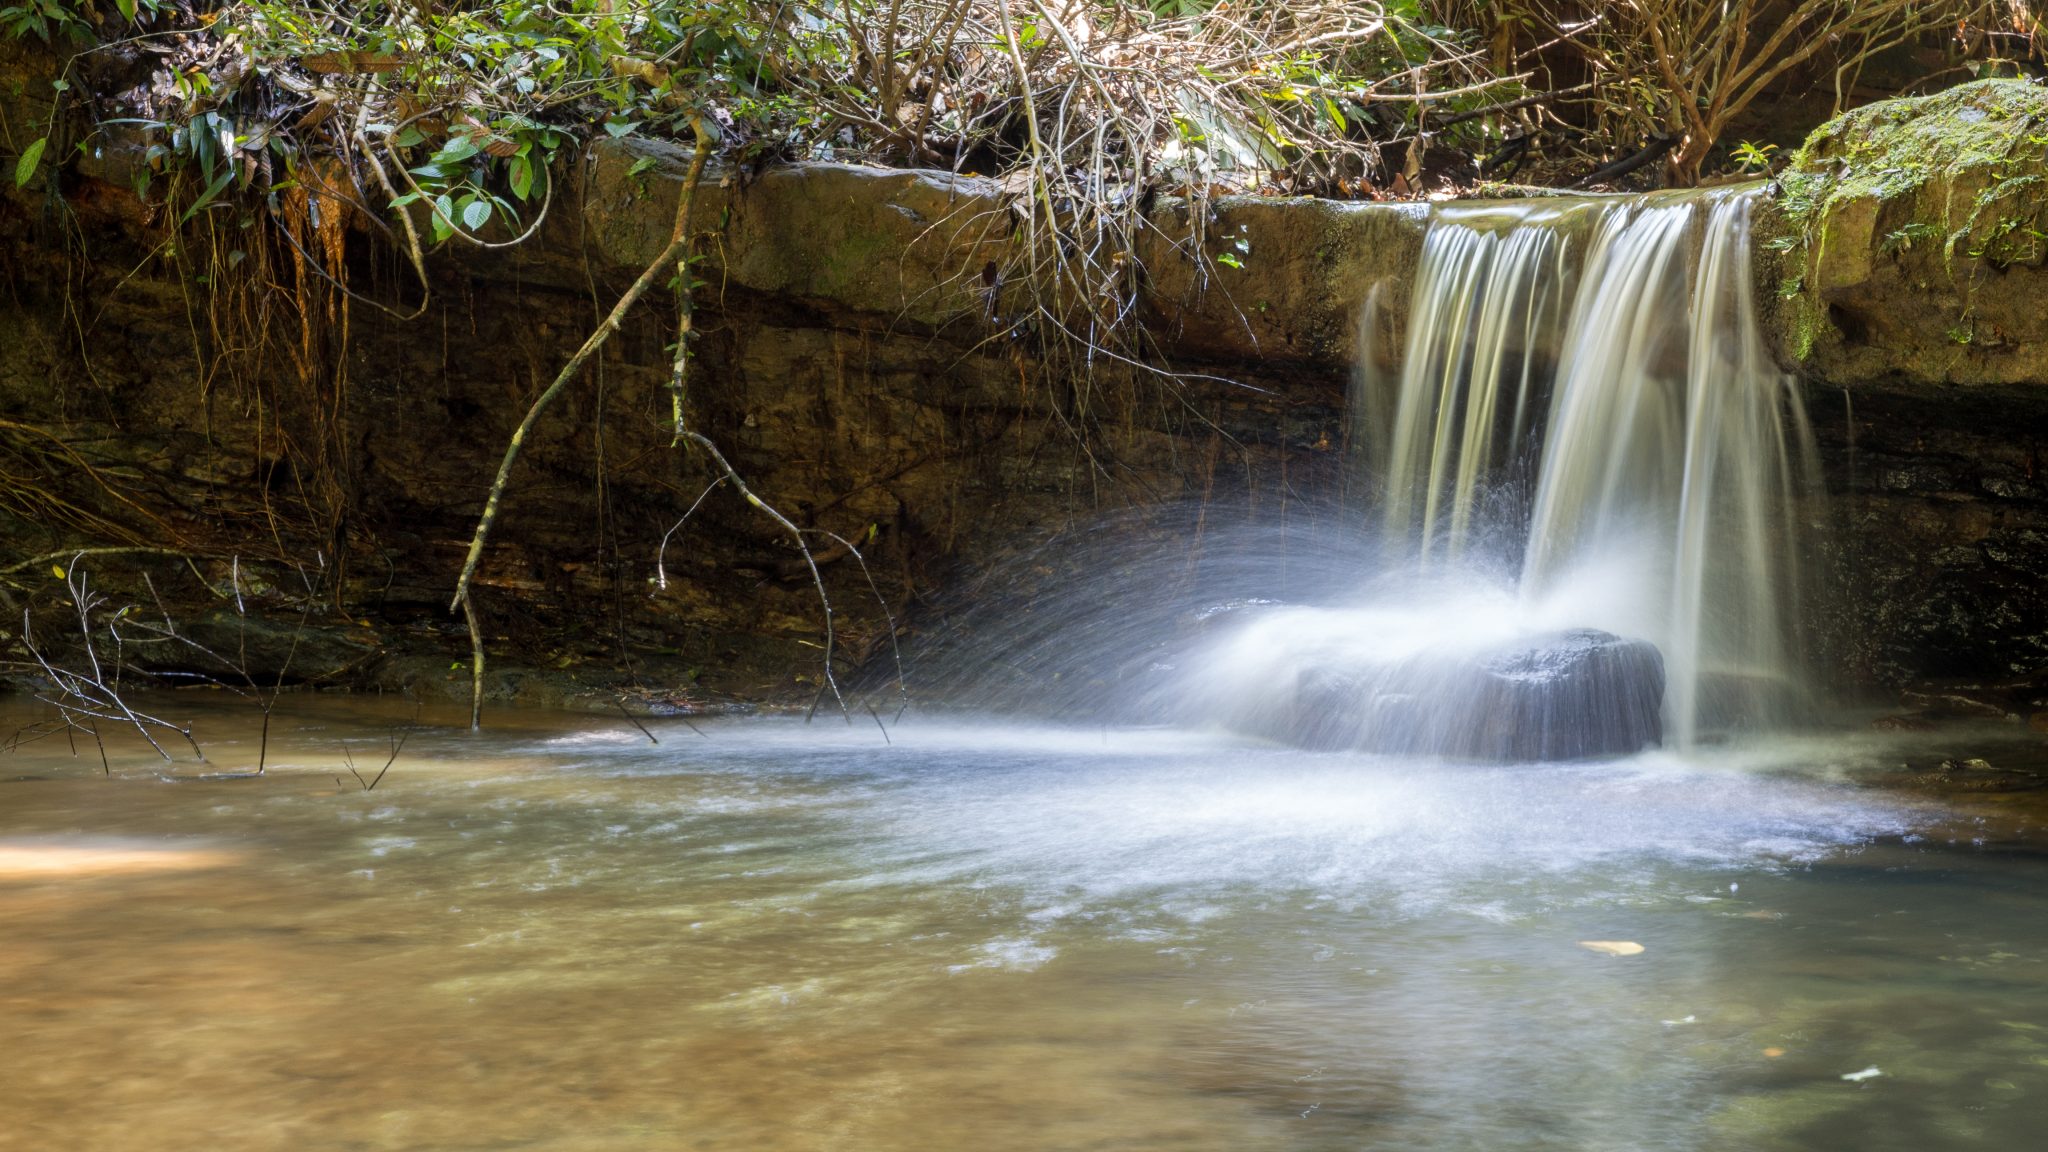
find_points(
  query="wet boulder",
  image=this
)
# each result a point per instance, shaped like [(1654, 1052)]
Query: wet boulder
[(1570, 695)]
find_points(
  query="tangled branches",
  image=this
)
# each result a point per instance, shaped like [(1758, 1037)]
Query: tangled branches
[(1680, 73), (1289, 94), (89, 691)]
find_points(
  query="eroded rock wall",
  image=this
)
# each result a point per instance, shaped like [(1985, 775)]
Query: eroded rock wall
[(225, 402), (845, 363), (1904, 262)]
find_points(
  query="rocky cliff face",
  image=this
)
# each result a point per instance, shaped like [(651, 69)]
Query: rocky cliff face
[(217, 409), (231, 421)]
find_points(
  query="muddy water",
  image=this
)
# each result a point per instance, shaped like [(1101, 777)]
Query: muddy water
[(559, 936)]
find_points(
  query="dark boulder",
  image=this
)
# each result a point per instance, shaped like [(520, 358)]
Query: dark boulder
[(1560, 696)]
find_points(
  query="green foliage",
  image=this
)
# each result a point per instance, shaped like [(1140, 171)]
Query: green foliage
[(473, 102), (1240, 244), (1751, 156), (460, 180), (31, 157), (467, 104), (42, 18), (45, 19)]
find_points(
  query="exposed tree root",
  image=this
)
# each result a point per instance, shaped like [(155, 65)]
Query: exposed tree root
[(671, 256)]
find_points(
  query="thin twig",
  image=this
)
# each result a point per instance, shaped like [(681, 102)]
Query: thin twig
[(634, 721)]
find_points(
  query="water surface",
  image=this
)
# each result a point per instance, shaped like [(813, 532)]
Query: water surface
[(556, 935)]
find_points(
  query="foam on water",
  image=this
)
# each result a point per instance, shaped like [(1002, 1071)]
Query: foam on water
[(1089, 820)]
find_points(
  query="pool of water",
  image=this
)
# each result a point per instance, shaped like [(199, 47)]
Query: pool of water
[(772, 935)]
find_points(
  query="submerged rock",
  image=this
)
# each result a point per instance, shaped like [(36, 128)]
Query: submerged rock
[(1561, 696)]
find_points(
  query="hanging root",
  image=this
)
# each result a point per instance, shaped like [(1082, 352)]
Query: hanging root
[(796, 534), (678, 243)]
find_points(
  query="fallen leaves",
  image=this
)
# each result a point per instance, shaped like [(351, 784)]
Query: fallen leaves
[(1612, 947)]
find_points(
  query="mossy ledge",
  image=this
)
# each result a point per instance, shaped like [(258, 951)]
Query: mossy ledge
[(1905, 243)]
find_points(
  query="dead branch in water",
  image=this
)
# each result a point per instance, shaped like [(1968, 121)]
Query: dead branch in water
[(634, 721), (888, 617), (348, 761), (237, 667), (796, 534), (83, 696)]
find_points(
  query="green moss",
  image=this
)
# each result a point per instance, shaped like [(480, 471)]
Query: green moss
[(1986, 141), (1943, 187)]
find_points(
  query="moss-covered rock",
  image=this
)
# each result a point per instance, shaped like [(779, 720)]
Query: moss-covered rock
[(1910, 237)]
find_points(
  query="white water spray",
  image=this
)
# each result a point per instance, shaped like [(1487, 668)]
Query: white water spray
[(1589, 471)]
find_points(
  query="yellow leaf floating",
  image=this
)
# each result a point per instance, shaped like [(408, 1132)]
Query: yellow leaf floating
[(1612, 947), (57, 570)]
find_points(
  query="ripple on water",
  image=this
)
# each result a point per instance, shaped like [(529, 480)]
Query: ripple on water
[(793, 938)]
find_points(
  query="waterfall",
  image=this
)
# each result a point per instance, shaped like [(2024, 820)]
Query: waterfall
[(1588, 473), (1490, 284), (1608, 352)]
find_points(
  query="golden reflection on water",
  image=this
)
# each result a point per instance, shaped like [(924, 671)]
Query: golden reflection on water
[(508, 945), (283, 986)]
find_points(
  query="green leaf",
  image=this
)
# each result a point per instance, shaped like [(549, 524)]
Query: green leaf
[(457, 149), (521, 174), (212, 190), (407, 137), (31, 159), (444, 217), (1230, 259), (476, 214), (127, 9)]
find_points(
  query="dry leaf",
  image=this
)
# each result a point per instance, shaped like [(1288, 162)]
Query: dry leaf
[(348, 63), (1612, 947)]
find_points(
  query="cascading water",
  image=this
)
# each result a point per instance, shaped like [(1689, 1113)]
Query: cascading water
[(1489, 294), (1587, 432)]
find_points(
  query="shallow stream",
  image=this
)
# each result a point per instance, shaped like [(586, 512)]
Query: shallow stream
[(558, 935)]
